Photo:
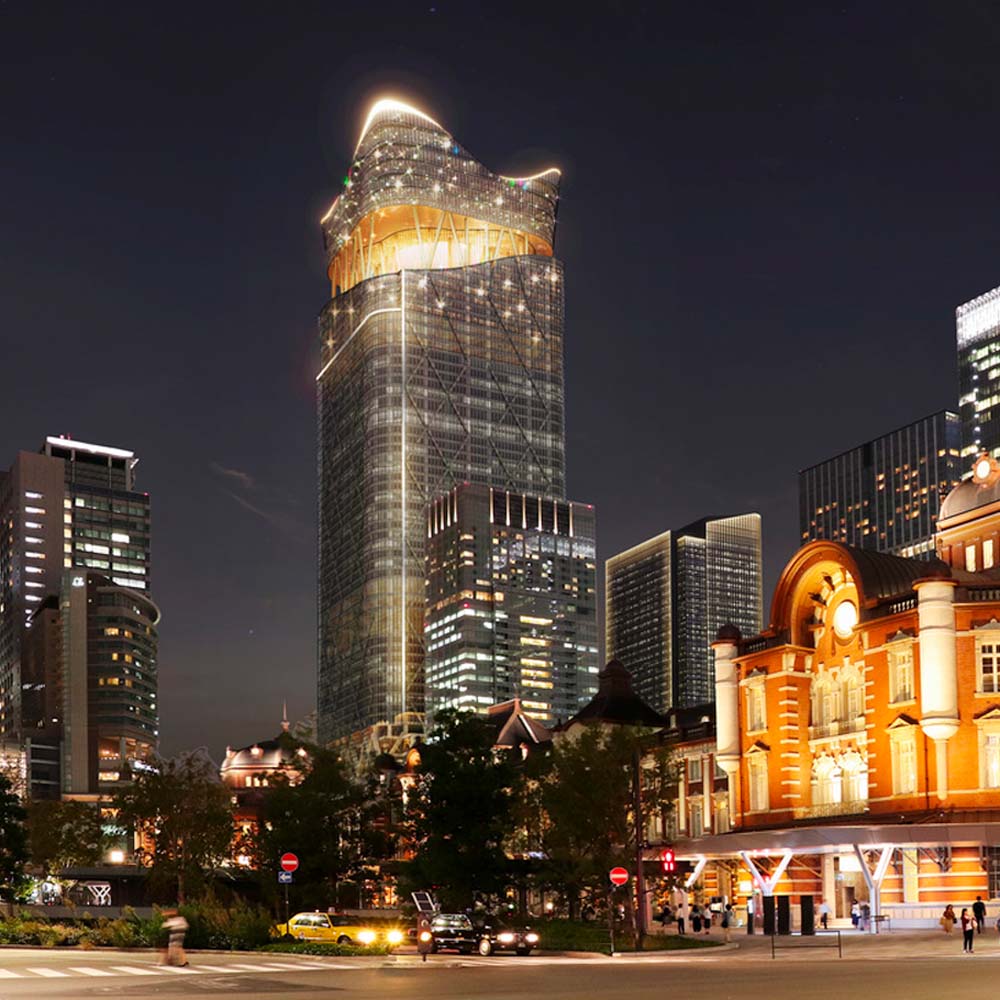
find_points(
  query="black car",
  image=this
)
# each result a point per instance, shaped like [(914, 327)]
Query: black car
[(453, 931), (497, 937)]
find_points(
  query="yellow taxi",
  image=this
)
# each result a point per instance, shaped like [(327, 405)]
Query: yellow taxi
[(333, 928)]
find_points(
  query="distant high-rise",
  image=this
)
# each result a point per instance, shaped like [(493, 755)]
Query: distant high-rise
[(978, 330), (71, 505), (441, 363), (108, 673), (511, 603), (666, 598), (884, 494)]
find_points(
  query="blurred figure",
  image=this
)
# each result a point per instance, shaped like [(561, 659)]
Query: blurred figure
[(176, 927)]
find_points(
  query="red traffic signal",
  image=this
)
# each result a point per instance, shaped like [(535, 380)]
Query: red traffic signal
[(667, 862)]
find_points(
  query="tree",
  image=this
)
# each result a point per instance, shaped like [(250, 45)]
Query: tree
[(13, 843), (316, 815), (460, 812), (183, 820), (586, 796), (62, 834)]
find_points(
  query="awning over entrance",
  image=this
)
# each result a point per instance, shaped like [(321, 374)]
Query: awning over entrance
[(838, 839)]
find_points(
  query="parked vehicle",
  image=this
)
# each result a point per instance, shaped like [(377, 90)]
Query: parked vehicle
[(497, 937), (453, 932)]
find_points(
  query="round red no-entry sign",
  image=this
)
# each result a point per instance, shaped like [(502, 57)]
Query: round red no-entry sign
[(618, 876), (289, 862)]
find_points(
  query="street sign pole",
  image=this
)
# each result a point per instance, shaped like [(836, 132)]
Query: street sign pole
[(287, 864), (640, 878)]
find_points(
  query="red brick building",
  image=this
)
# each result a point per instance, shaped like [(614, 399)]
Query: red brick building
[(860, 732)]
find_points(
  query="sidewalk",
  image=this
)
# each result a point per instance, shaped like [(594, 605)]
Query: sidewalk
[(888, 946)]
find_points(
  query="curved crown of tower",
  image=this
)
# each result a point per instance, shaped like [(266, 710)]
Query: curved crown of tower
[(405, 161)]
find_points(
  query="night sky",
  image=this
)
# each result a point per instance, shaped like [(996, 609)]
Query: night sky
[(768, 216)]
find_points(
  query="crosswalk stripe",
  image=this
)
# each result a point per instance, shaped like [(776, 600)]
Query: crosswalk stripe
[(253, 968), (49, 973), (217, 968), (306, 965), (132, 970), (7, 974), (180, 970), (85, 970)]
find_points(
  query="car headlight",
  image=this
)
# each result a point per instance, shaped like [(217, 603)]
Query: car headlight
[(531, 938), (366, 937), (394, 936), (425, 935), (506, 938)]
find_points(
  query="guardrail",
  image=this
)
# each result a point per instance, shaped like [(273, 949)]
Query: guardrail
[(775, 947)]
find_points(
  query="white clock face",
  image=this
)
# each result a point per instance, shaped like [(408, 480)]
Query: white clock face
[(983, 468), (845, 617)]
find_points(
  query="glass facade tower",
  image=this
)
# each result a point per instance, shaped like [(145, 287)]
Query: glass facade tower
[(978, 330), (441, 363), (666, 598), (884, 494), (511, 603)]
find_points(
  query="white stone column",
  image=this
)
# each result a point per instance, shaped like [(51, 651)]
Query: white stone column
[(727, 714), (938, 670)]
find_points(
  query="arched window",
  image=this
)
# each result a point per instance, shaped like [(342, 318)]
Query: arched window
[(854, 694), (855, 779), (827, 785)]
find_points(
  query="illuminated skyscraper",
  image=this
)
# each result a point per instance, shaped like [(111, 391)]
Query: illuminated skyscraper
[(978, 331), (511, 603), (884, 494), (666, 598), (441, 363)]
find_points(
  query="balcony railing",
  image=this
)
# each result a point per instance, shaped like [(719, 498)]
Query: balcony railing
[(851, 808), (838, 727)]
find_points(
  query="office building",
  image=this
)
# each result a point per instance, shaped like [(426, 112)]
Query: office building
[(511, 607), (978, 332), (109, 682), (884, 494), (71, 505), (666, 597), (441, 363)]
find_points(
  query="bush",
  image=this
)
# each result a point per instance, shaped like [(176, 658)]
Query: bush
[(569, 935), (319, 948)]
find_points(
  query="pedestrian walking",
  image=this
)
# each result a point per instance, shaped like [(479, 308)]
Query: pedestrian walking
[(948, 919), (824, 914), (855, 914), (727, 921), (979, 912), (696, 918), (968, 931), (176, 927)]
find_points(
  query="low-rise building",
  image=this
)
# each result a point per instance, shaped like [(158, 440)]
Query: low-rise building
[(860, 731)]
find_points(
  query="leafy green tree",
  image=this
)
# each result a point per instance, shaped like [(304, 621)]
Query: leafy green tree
[(587, 799), (318, 815), (62, 834), (13, 843), (460, 812), (182, 816)]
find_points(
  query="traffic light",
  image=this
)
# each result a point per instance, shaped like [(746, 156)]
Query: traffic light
[(667, 863)]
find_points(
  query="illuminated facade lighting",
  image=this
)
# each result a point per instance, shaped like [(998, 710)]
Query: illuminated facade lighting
[(440, 363), (977, 326)]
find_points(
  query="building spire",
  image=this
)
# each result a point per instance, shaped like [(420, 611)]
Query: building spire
[(284, 716)]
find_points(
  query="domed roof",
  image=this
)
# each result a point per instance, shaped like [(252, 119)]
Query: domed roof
[(267, 755), (968, 495)]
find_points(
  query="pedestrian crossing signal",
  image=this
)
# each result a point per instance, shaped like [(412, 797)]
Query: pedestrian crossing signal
[(667, 863)]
